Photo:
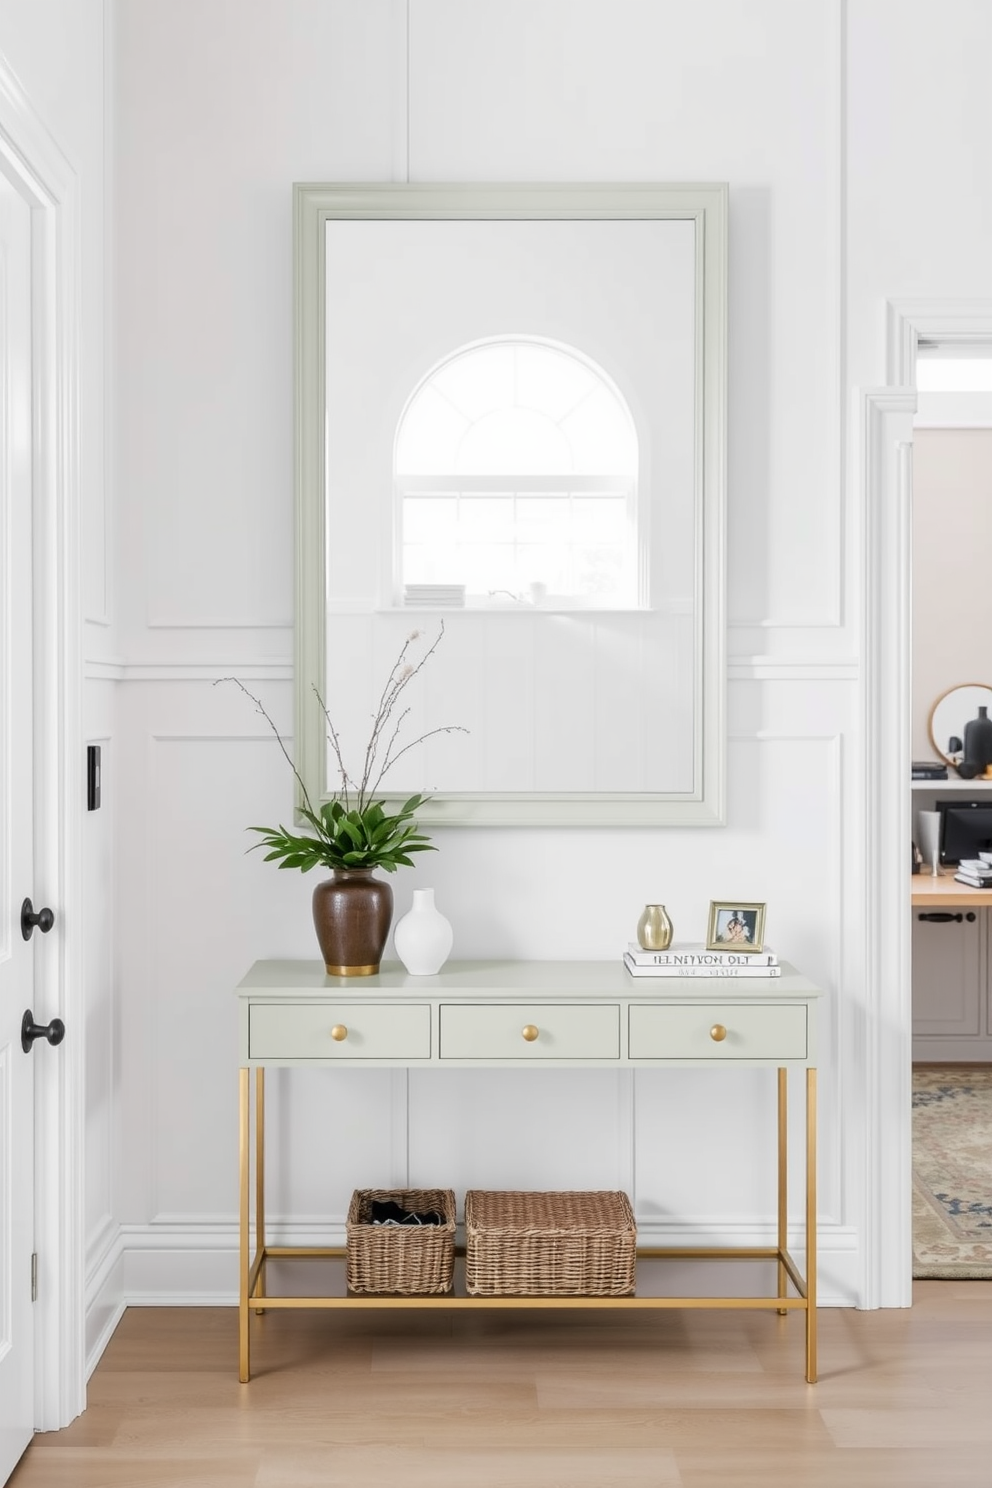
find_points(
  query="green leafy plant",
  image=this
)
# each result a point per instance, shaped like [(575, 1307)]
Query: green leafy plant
[(355, 829), (366, 838)]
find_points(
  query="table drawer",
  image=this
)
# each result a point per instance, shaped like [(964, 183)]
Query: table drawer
[(683, 1031), (564, 1031), (399, 1030)]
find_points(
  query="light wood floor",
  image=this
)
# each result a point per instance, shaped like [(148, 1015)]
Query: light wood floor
[(573, 1400)]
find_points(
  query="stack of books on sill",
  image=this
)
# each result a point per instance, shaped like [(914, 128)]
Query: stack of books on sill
[(976, 872), (434, 596), (929, 770), (687, 959)]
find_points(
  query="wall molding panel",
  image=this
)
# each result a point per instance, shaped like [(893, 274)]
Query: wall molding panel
[(114, 670), (211, 625), (830, 349), (835, 1008), (758, 668)]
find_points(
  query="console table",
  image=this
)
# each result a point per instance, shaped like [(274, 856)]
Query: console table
[(507, 1014)]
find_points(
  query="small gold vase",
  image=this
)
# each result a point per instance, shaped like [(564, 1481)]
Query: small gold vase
[(654, 928)]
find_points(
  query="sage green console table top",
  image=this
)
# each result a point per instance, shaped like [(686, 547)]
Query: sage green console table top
[(509, 1014)]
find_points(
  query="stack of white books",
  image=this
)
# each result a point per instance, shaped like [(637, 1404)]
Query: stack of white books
[(689, 959), (976, 872), (434, 596)]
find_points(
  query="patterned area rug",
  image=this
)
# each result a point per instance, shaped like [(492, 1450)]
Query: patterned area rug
[(952, 1172)]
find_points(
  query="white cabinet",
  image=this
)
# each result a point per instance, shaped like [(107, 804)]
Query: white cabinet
[(951, 985), (952, 995)]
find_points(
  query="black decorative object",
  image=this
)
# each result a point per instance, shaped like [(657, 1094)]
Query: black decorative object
[(978, 740)]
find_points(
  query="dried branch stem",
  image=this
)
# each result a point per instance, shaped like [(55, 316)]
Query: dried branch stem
[(401, 674)]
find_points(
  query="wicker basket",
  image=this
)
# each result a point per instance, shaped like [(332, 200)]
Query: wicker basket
[(400, 1259), (549, 1244)]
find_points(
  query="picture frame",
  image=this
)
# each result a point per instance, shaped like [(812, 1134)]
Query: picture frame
[(735, 925)]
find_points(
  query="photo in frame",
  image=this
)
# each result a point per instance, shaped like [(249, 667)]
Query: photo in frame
[(735, 925)]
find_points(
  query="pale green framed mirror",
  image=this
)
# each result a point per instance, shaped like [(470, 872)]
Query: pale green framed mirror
[(511, 419)]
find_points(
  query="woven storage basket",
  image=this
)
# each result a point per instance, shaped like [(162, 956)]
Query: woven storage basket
[(402, 1259), (549, 1244)]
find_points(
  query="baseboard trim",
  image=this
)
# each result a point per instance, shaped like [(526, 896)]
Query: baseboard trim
[(104, 1305), (95, 1345), (946, 1049)]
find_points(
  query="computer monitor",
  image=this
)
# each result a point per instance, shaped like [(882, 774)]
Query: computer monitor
[(965, 829)]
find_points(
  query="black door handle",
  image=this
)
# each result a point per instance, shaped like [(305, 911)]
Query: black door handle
[(54, 1032), (942, 917), (44, 919)]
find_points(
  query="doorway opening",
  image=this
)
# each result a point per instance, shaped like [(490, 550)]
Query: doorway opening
[(951, 693)]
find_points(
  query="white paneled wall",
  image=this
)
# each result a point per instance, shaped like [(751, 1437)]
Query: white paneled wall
[(851, 151), (204, 452)]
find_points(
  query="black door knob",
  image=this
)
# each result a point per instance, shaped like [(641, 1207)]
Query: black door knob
[(44, 919), (54, 1032)]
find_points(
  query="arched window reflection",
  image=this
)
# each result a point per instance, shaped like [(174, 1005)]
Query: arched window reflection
[(516, 465)]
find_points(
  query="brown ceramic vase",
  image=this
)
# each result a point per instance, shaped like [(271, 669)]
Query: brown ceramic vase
[(352, 913)]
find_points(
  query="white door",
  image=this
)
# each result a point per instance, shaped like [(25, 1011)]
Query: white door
[(16, 833)]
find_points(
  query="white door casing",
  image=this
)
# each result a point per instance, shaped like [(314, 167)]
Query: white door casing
[(884, 483), (883, 1057), (886, 504), (35, 167), (16, 831)]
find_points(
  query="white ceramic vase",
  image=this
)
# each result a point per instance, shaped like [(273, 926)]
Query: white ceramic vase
[(423, 937)]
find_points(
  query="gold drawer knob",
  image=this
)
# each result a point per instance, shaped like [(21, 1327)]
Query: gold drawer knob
[(718, 1033), (339, 1033), (529, 1032)]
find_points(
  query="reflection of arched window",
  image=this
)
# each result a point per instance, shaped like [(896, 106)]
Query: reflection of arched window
[(516, 474)]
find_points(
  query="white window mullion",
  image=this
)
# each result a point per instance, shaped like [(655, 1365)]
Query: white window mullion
[(540, 485)]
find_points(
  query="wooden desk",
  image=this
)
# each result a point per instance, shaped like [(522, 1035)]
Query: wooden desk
[(507, 1014), (945, 893)]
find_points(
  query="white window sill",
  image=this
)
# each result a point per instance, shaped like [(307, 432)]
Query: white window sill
[(511, 609)]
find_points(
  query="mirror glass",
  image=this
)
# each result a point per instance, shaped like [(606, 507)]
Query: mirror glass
[(950, 715), (511, 435)]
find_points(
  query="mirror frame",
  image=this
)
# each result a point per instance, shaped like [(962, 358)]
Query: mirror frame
[(948, 692), (704, 204)]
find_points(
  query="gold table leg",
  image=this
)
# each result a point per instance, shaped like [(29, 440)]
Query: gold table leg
[(783, 1183), (260, 1180), (246, 1268), (811, 1226), (244, 1159)]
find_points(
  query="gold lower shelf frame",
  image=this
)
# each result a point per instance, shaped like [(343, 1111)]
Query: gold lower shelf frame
[(253, 1295)]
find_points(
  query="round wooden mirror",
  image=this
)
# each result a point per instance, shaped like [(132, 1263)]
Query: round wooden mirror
[(952, 710)]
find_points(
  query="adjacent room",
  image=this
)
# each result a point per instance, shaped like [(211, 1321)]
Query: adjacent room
[(952, 826)]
